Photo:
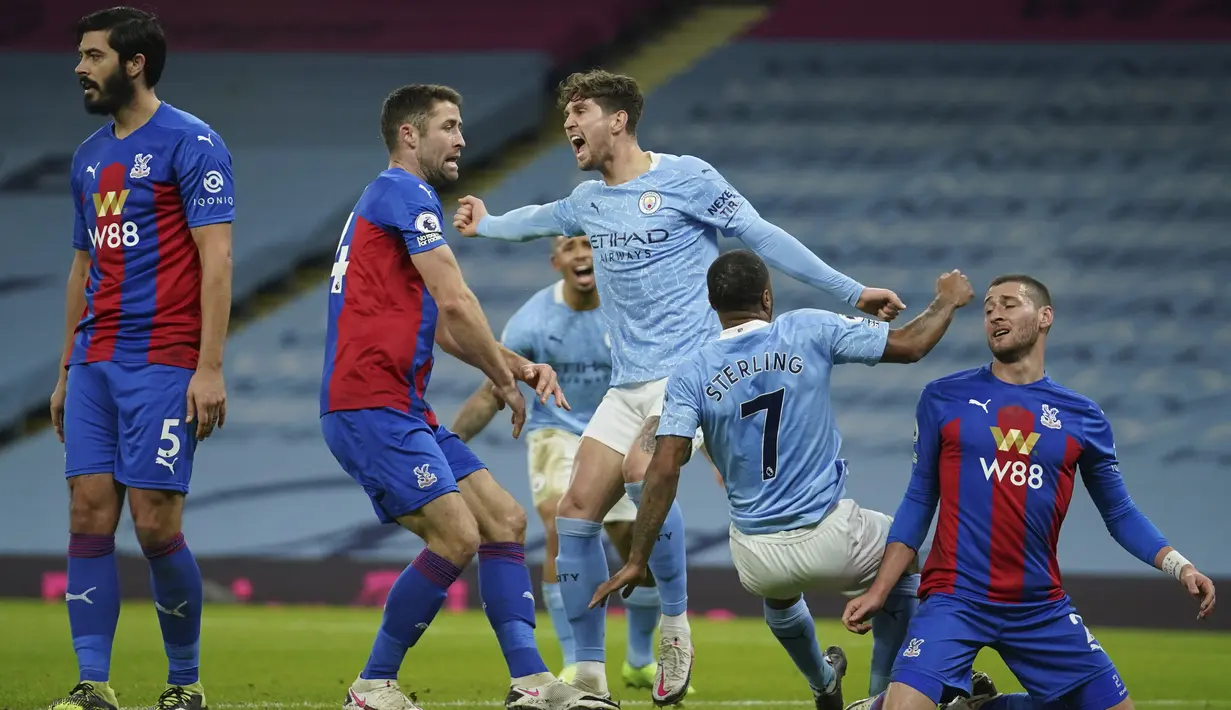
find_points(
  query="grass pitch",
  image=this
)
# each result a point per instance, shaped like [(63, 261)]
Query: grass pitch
[(305, 657)]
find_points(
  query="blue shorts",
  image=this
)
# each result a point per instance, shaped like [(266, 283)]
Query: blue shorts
[(1046, 645), (127, 419), (401, 461)]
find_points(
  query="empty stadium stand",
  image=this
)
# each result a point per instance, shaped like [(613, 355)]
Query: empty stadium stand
[(1101, 169), (302, 127)]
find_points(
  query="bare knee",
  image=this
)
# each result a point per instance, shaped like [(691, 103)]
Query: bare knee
[(900, 696), (507, 524), (157, 515), (94, 504), (447, 526)]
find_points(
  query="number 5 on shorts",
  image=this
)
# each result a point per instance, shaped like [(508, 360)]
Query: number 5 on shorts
[(169, 436)]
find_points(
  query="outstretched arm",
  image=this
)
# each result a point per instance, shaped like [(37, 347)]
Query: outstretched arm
[(520, 225), (785, 253), (1100, 471), (476, 413)]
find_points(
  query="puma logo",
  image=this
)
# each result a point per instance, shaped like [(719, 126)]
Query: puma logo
[(982, 405), (170, 466), (83, 597), (171, 612)]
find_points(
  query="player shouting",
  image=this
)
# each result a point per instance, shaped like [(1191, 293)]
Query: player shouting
[(653, 220)]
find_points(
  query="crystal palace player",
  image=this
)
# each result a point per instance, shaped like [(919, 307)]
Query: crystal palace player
[(148, 300), (1000, 447), (654, 221), (396, 289), (760, 394)]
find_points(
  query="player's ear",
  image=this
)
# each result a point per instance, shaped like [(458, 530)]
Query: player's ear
[(409, 135), (1046, 316), (619, 120), (767, 301), (135, 66)]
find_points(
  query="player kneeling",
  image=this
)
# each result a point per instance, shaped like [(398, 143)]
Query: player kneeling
[(1008, 441)]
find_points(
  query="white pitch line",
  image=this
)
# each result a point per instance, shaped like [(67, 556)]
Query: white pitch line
[(689, 705)]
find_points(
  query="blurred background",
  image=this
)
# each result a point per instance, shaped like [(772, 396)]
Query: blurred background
[(1085, 142)]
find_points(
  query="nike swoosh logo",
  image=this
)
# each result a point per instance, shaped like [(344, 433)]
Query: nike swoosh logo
[(531, 693)]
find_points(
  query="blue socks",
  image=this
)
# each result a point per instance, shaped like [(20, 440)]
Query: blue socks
[(642, 607), (667, 561), (176, 582), (796, 631), (93, 600), (559, 622), (508, 600), (413, 602), (580, 567), (889, 630)]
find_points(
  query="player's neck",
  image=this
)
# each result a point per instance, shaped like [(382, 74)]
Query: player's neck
[(581, 300), (628, 162), (737, 318), (1021, 372), (135, 113), (410, 165)]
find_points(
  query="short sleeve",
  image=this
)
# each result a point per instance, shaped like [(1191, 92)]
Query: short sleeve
[(206, 184), (518, 336), (81, 233), (714, 201), (413, 210), (848, 339), (681, 415)]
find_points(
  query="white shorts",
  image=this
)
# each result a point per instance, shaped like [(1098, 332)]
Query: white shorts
[(621, 415), (551, 453), (842, 553)]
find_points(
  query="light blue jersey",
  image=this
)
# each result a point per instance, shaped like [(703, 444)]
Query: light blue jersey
[(760, 394), (654, 237), (575, 344)]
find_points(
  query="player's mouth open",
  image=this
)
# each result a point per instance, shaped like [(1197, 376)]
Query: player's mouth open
[(999, 332), (578, 143), (584, 274)]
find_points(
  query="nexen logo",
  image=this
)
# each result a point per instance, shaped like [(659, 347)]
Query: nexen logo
[(111, 202)]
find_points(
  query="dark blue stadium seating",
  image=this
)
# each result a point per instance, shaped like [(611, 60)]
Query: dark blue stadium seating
[(1103, 170)]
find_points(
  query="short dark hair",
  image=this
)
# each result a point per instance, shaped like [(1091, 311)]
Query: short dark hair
[(412, 104), (130, 32), (612, 92), (1035, 290), (736, 281)]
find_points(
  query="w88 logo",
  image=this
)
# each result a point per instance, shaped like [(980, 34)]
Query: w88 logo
[(1018, 473)]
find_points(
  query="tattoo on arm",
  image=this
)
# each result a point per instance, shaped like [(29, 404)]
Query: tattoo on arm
[(649, 438)]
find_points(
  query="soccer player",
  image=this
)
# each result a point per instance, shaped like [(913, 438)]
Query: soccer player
[(653, 220), (147, 305), (560, 326), (396, 289), (760, 394), (1000, 448)]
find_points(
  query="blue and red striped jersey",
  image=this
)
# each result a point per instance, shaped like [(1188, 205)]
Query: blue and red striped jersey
[(1002, 459), (136, 200), (382, 320)]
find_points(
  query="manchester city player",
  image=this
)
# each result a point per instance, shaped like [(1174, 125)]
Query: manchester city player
[(560, 326), (760, 393), (653, 220)]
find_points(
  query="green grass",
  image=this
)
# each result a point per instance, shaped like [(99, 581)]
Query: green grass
[(306, 657)]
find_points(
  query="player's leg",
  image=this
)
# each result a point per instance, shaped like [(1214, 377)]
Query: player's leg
[(595, 486), (668, 559), (778, 567), (867, 532), (505, 587), (642, 607), (95, 500), (935, 665), (397, 461), (551, 453), (1058, 661), (157, 448)]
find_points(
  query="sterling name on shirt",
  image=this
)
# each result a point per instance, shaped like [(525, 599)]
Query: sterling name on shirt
[(745, 368)]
